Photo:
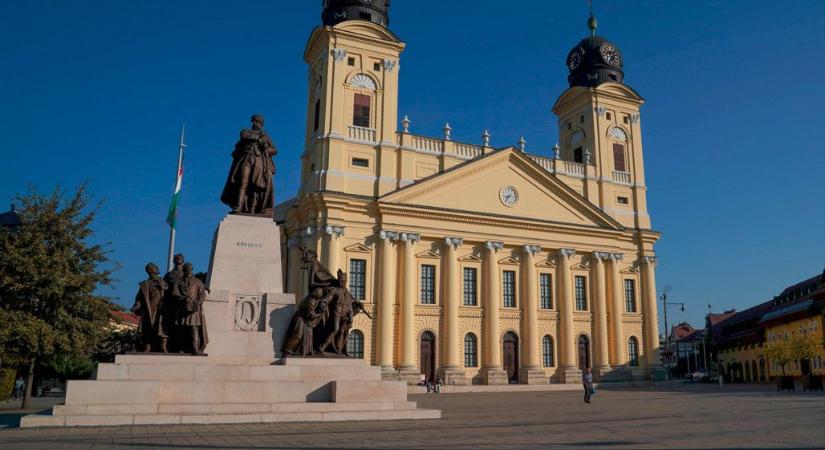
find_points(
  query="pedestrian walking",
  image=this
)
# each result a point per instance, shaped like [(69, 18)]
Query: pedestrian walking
[(438, 384), (587, 382), (19, 387)]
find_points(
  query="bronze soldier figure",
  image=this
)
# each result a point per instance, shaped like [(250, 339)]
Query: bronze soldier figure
[(300, 337), (248, 188), (343, 309), (192, 319), (149, 305), (172, 303)]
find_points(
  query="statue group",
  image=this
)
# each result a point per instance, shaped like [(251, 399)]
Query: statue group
[(323, 319), (171, 310)]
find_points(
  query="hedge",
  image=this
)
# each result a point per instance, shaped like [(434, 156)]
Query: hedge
[(6, 383)]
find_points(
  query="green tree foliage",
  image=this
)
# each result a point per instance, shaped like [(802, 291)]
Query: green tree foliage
[(779, 351), (804, 346), (49, 275)]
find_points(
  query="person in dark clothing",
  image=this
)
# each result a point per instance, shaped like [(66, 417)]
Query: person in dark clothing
[(587, 382)]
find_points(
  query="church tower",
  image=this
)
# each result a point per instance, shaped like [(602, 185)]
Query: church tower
[(353, 61), (599, 127)]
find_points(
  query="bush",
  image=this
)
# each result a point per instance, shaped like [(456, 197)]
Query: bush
[(7, 377)]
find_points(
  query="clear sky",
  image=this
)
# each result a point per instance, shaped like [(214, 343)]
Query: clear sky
[(734, 125)]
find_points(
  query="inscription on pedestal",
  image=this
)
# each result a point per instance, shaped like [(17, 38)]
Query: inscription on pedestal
[(243, 244)]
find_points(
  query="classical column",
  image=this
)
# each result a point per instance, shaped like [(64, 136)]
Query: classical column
[(651, 330), (386, 304), (602, 359), (492, 372), (617, 353), (294, 278), (568, 371), (332, 235), (530, 372), (452, 371), (408, 370)]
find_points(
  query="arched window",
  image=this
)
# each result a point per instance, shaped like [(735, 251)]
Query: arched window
[(633, 351), (547, 351), (355, 344), (470, 350), (577, 144)]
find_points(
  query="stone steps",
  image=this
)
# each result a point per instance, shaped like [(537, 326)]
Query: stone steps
[(232, 372), (227, 408), (172, 419)]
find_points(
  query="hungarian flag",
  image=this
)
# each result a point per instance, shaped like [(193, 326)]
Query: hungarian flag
[(172, 217)]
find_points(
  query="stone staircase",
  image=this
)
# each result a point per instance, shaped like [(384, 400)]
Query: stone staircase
[(172, 389)]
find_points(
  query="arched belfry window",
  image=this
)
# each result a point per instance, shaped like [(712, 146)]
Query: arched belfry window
[(362, 100), (619, 138), (577, 144)]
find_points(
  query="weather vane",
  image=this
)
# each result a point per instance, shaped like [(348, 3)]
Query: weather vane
[(591, 21)]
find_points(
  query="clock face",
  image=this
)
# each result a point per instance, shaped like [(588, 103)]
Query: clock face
[(508, 195), (610, 55), (574, 60)]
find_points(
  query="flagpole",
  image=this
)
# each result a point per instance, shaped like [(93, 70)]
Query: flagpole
[(172, 225)]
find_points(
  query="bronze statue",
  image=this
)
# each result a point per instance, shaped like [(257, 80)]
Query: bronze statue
[(248, 188), (192, 320), (300, 337), (171, 302), (324, 317), (149, 305)]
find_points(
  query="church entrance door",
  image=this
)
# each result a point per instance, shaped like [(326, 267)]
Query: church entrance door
[(427, 357), (511, 356)]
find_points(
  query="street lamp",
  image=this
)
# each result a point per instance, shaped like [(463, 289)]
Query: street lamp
[(666, 303)]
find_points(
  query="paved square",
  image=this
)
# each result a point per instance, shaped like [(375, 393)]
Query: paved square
[(697, 416)]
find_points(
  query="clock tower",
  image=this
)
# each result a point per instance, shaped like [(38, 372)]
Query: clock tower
[(353, 61), (599, 128)]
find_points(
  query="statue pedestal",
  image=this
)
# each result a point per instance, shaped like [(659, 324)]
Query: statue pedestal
[(247, 312)]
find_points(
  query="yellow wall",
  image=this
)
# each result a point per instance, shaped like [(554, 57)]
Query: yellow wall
[(809, 325)]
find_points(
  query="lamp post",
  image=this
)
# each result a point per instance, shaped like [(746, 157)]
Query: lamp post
[(666, 303)]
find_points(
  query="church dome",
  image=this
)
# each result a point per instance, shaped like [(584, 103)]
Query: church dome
[(594, 60), (337, 11)]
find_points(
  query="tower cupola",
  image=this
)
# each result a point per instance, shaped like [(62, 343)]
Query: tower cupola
[(594, 60), (337, 11)]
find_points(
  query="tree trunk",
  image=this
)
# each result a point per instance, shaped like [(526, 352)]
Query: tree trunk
[(29, 381)]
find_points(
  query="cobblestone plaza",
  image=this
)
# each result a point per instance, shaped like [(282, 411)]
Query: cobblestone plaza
[(700, 416)]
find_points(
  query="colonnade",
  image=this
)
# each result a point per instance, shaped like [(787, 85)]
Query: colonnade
[(606, 304)]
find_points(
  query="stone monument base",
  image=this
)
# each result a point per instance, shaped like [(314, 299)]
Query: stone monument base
[(161, 389)]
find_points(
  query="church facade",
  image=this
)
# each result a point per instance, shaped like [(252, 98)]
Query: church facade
[(478, 264)]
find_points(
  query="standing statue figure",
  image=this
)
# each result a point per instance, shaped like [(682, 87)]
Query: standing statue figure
[(192, 320), (172, 301), (149, 305), (248, 188), (300, 339), (343, 308)]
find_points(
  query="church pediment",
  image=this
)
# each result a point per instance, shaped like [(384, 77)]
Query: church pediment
[(358, 248), (429, 254), (470, 258), (506, 184)]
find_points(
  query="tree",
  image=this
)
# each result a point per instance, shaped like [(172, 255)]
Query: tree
[(779, 351), (804, 346), (49, 275)]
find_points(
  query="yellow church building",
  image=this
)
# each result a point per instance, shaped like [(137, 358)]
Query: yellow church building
[(479, 264)]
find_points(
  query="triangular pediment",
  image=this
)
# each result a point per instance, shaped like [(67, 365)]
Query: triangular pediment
[(630, 270), (546, 263), (429, 254), (470, 258), (509, 261), (357, 248), (506, 184)]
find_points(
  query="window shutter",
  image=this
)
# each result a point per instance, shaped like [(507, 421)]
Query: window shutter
[(618, 157), (361, 111)]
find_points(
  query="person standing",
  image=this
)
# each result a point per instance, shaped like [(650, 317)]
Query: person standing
[(587, 382)]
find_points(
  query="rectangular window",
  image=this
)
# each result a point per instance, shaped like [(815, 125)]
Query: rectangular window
[(376, 67), (470, 287), (317, 114), (509, 289), (350, 61), (578, 155), (581, 293), (361, 111), (609, 116), (618, 157), (630, 295), (545, 291), (360, 162), (428, 284), (626, 119), (357, 278), (622, 200)]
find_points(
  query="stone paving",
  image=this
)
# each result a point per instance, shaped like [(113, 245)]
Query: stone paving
[(684, 417)]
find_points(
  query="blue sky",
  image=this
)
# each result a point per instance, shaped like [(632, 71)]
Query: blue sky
[(734, 125)]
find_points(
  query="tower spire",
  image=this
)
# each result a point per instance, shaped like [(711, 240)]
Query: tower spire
[(592, 23)]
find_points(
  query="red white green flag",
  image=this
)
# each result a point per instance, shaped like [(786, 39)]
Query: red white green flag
[(172, 217)]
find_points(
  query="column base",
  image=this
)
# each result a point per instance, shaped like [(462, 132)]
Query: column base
[(409, 374), (570, 375), (388, 373), (494, 375), (452, 376), (616, 373), (532, 375)]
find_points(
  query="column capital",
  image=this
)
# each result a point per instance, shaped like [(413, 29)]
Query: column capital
[(531, 249), (453, 242), (388, 235), (410, 238), (616, 256), (494, 245), (601, 256), (649, 259), (335, 231), (567, 252)]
